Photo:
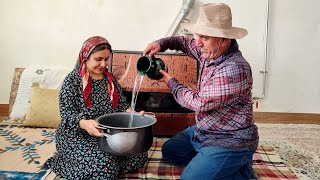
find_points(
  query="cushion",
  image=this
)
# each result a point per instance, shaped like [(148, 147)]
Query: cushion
[(43, 110), (14, 87), (50, 77), (29, 75)]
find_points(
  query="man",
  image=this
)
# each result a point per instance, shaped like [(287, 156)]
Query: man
[(222, 143)]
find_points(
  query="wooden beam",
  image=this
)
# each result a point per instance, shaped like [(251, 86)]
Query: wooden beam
[(287, 118), (4, 109)]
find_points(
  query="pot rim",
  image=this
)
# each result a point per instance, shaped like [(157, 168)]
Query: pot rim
[(127, 128)]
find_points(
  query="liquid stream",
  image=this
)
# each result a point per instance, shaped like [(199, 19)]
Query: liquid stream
[(135, 91)]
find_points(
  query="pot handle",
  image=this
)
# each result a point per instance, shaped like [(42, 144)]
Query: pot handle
[(106, 135), (100, 126)]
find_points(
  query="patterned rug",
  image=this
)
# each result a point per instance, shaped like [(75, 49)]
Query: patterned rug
[(266, 164), (24, 150), (302, 164), (25, 147), (298, 145)]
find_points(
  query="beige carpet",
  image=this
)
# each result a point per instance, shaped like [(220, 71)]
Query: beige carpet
[(297, 144)]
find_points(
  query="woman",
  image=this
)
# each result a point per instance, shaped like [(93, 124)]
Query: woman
[(88, 92)]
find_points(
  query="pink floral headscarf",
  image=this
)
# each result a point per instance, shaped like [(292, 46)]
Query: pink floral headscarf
[(86, 49)]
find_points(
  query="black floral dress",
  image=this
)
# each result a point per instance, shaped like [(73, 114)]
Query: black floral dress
[(78, 155)]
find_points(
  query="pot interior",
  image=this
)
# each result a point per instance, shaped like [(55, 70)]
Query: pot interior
[(123, 120)]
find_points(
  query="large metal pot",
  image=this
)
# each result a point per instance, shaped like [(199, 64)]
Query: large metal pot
[(121, 139)]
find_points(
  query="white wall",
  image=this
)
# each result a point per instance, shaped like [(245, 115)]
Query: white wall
[(51, 32), (293, 83), (48, 32)]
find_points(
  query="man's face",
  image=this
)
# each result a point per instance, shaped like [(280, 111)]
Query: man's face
[(209, 45)]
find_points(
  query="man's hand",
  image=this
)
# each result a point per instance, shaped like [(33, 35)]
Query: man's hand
[(166, 76), (152, 49), (91, 127)]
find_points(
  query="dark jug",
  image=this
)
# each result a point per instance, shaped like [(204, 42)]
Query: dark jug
[(151, 66)]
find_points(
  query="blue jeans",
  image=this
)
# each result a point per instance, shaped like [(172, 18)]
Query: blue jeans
[(206, 162)]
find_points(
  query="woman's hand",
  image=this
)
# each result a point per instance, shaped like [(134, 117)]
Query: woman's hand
[(91, 127), (130, 110)]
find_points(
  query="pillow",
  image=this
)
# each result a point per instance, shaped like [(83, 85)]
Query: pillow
[(29, 76), (43, 110), (14, 87), (50, 77)]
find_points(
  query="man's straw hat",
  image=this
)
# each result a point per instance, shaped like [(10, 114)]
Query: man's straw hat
[(215, 19)]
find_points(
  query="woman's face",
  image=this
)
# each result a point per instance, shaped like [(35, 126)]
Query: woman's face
[(97, 63)]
